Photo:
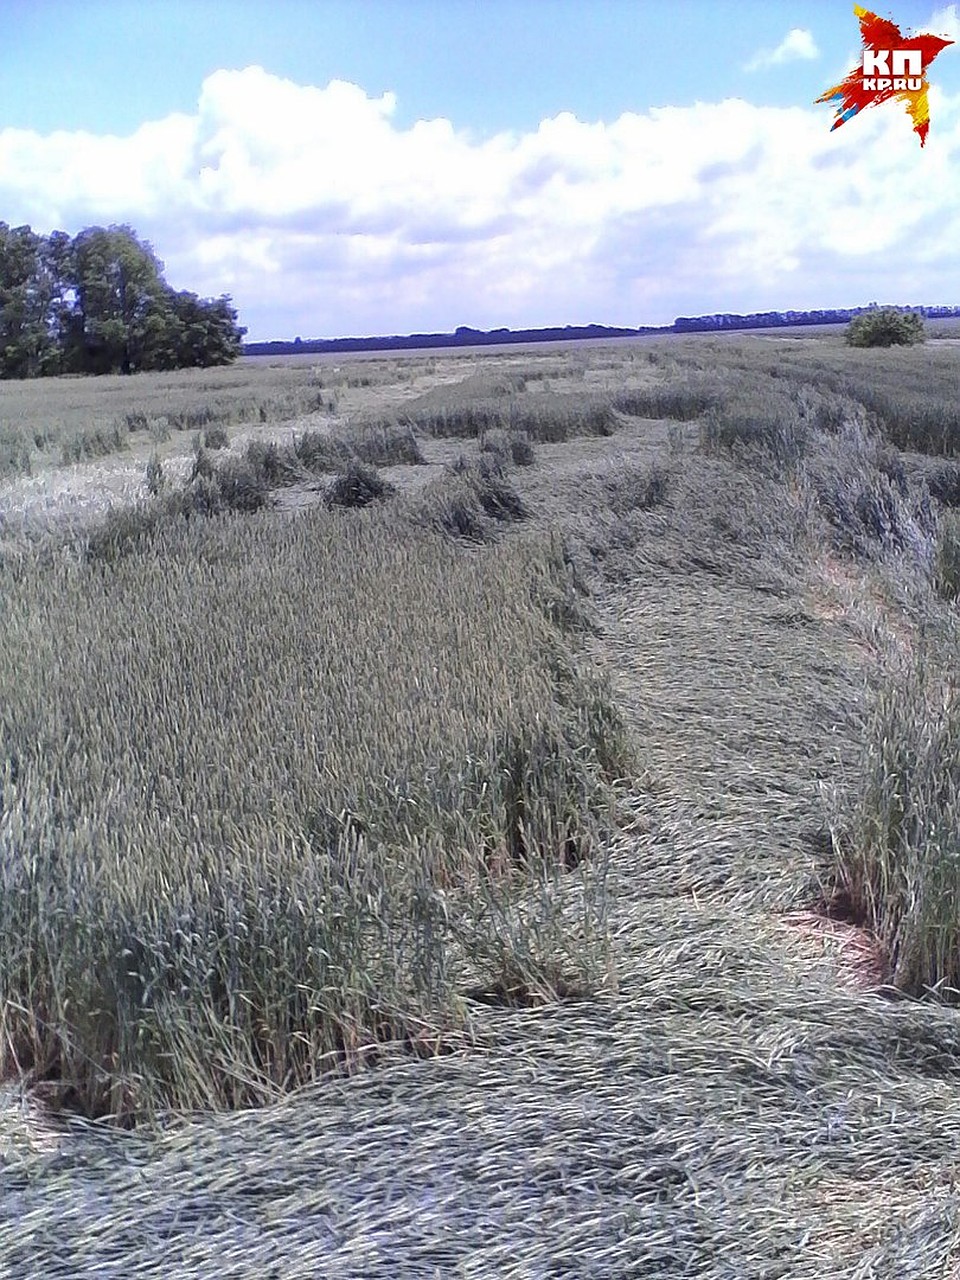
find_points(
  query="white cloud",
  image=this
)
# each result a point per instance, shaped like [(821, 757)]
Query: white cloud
[(324, 217), (943, 22), (796, 46)]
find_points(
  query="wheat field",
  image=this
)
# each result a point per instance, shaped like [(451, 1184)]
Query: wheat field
[(483, 814)]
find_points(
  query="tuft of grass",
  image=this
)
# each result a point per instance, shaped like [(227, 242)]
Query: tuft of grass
[(275, 464), (376, 444), (238, 485), (232, 486), (498, 498), (216, 437), (95, 442), (15, 452), (947, 566), (897, 842), (553, 418), (522, 451), (919, 420), (203, 467), (942, 478), (357, 486), (452, 508), (320, 452), (465, 421), (683, 400), (863, 491), (510, 447), (155, 477), (386, 445), (470, 501), (478, 406), (194, 417), (638, 488), (760, 425)]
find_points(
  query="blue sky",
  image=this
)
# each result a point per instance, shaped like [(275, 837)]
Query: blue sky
[(395, 165)]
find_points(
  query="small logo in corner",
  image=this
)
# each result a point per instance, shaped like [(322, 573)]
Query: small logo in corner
[(893, 66)]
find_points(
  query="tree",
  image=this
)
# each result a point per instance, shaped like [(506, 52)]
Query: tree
[(208, 330), (23, 329), (117, 279), (885, 327), (54, 270), (99, 304)]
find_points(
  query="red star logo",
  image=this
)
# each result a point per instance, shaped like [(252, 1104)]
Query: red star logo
[(860, 90)]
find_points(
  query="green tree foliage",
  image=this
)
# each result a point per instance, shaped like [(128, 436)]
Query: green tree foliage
[(24, 290), (98, 303), (885, 327)]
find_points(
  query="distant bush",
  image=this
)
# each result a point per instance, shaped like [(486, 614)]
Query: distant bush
[(885, 327)]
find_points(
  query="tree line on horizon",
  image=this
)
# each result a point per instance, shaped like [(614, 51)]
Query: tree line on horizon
[(467, 337), (97, 303), (788, 319)]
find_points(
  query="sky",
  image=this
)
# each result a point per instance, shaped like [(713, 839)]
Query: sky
[(399, 166)]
